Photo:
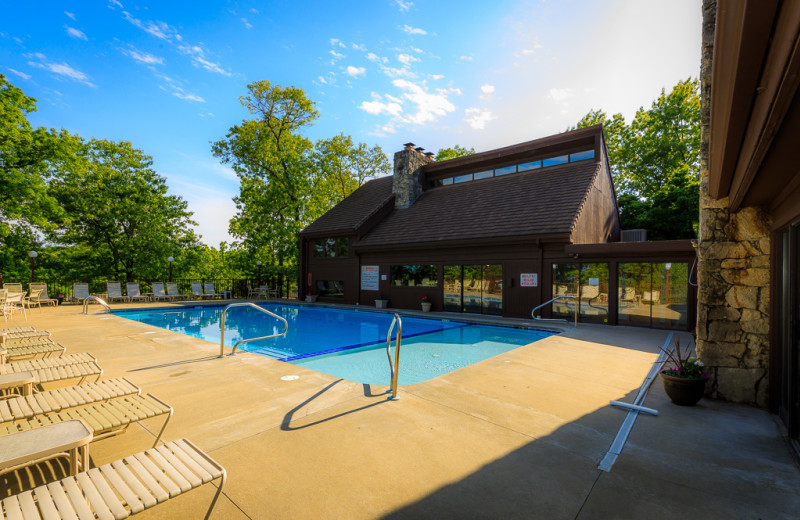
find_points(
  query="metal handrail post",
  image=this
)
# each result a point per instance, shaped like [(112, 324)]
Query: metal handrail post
[(533, 311), (394, 367), (247, 304), (98, 300)]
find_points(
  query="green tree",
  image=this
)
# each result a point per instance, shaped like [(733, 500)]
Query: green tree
[(451, 153), (655, 162), (118, 212)]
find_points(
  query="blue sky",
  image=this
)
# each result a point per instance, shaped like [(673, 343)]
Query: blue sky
[(167, 75)]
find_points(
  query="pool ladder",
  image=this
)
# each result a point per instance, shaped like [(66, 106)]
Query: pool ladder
[(539, 318), (256, 307), (394, 367), (98, 300)]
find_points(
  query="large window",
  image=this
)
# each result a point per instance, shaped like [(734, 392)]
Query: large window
[(330, 247), (415, 275), (586, 285), (653, 294), (330, 288), (474, 288)]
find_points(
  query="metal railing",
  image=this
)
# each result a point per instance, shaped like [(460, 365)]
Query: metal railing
[(535, 317), (394, 367), (98, 300), (235, 346)]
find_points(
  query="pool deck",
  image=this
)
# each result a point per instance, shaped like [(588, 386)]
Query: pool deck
[(519, 435)]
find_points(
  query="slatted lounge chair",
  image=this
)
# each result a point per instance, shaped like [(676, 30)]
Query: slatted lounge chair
[(8, 336), (15, 301), (133, 292), (121, 488), (158, 292), (44, 347), (105, 419), (210, 292), (114, 290), (172, 290), (49, 370), (13, 287), (80, 291), (32, 300), (43, 296), (197, 291), (52, 401)]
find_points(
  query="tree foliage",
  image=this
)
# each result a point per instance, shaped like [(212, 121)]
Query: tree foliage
[(655, 162), (286, 181), (451, 153)]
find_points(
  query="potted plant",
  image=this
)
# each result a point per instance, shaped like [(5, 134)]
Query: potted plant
[(684, 379), (426, 304), (311, 298)]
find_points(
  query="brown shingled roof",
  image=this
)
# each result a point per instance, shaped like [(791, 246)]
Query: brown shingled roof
[(349, 214), (538, 202)]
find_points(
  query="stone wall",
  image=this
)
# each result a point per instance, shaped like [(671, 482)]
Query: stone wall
[(408, 177), (732, 274)]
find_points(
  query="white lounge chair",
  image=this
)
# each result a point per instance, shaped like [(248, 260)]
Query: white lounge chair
[(43, 296), (197, 291), (210, 292), (80, 291), (122, 488), (48, 370), (29, 348), (14, 302), (133, 292), (114, 290), (158, 292), (172, 290)]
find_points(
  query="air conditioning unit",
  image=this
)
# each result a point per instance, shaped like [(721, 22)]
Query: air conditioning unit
[(634, 235)]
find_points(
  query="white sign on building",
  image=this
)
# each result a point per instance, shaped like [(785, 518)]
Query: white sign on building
[(369, 277)]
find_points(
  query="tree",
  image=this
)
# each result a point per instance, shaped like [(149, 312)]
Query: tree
[(286, 181), (118, 211), (655, 162), (451, 153)]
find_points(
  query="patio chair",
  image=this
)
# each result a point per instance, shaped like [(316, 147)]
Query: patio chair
[(79, 366), (21, 333), (158, 292), (80, 291), (133, 292), (210, 292), (13, 287), (114, 290), (30, 348), (106, 419), (43, 296), (122, 488), (7, 313), (23, 407), (172, 290), (197, 291), (253, 293), (14, 302)]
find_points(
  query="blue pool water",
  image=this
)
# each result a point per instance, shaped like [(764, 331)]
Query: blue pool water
[(345, 343)]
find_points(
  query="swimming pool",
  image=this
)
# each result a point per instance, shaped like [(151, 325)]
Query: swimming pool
[(345, 343)]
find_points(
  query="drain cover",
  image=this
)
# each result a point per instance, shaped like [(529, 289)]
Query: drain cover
[(289, 378)]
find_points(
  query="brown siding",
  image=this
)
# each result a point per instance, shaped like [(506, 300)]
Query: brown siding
[(599, 219)]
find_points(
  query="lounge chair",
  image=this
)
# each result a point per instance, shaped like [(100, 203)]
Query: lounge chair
[(52, 369), (27, 406), (105, 419), (21, 333), (29, 348), (158, 292), (253, 293), (114, 290), (80, 291), (210, 292), (123, 487), (133, 292), (14, 302), (172, 290), (197, 291), (13, 287), (43, 296)]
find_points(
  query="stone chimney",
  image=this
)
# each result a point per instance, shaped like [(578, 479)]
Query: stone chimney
[(408, 176)]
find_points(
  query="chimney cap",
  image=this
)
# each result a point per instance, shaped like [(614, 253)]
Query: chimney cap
[(429, 154), (409, 145), (419, 149)]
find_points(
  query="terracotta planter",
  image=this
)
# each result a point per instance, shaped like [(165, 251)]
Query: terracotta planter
[(682, 390), (426, 307)]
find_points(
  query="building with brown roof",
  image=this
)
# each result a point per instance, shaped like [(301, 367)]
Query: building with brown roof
[(487, 233)]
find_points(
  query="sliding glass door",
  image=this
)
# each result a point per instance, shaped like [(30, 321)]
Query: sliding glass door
[(474, 288)]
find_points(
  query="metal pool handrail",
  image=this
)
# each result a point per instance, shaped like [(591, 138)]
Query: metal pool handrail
[(247, 304), (394, 367), (98, 300), (533, 315)]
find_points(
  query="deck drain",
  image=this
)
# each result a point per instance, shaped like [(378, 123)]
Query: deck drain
[(289, 378)]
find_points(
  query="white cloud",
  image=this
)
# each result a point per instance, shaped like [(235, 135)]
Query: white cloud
[(355, 71), (71, 15), (246, 23), (404, 6), (377, 59), (254, 10), (429, 106), (406, 59), (112, 3), (198, 57), (414, 30), (377, 107), (562, 94), (477, 118), (20, 74), (142, 57), (466, 58), (75, 33), (336, 55), (188, 97), (337, 42), (358, 47), (62, 69), (437, 76), (487, 89), (160, 30), (393, 72)]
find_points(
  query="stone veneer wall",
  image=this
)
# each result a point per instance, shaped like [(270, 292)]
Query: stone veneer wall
[(732, 274), (407, 181)]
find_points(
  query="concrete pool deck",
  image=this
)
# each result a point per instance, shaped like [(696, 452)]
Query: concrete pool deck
[(519, 435)]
